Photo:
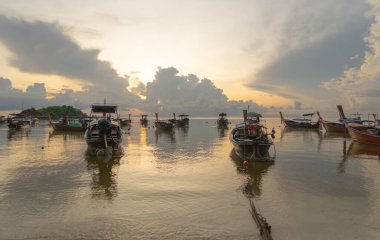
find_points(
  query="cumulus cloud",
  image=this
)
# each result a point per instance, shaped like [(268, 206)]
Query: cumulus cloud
[(318, 41), (170, 92), (12, 98), (137, 87), (44, 48), (360, 86)]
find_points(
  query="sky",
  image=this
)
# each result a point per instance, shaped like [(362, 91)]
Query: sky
[(200, 57)]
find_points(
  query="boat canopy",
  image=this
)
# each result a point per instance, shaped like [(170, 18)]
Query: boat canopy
[(307, 114), (253, 115), (104, 108), (183, 115), (16, 115), (301, 119)]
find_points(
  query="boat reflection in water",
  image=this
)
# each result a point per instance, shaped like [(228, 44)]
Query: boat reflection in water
[(332, 135), (18, 133), (250, 139), (255, 172), (66, 135), (222, 132), (104, 136), (167, 135), (357, 148), (306, 134), (104, 176)]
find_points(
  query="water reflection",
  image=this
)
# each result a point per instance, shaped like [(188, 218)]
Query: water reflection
[(168, 136), (183, 130), (143, 136), (18, 133), (104, 176), (299, 134), (222, 132), (357, 148), (332, 135), (299, 131), (183, 144), (342, 164), (254, 171), (65, 135)]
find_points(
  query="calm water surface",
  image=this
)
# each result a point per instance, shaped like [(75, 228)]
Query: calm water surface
[(186, 185)]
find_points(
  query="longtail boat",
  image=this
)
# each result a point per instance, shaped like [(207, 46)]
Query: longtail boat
[(70, 123), (3, 119), (126, 122), (163, 125), (250, 138), (337, 127), (18, 121), (305, 122), (183, 120), (364, 134), (222, 121), (340, 126), (144, 120), (173, 120), (104, 133)]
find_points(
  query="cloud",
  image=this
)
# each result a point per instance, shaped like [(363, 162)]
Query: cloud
[(12, 98), (317, 41), (359, 86), (170, 92), (137, 87), (44, 48)]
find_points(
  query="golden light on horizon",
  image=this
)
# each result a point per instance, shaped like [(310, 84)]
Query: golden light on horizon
[(53, 83), (238, 92)]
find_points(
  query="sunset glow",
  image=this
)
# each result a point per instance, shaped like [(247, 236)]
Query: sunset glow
[(270, 55)]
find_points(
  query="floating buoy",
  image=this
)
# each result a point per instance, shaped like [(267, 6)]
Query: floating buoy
[(42, 147), (245, 163)]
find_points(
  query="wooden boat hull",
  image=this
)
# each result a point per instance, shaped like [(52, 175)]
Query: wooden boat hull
[(182, 122), (94, 136), (222, 123), (164, 126), (125, 122), (333, 127), (19, 125), (253, 150), (144, 122), (364, 134), (295, 124)]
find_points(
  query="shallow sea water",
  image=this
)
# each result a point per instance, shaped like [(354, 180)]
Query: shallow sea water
[(186, 185)]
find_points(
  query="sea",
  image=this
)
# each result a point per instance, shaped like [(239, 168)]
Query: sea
[(187, 184)]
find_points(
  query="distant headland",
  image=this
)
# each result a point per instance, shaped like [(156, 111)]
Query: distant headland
[(53, 111)]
